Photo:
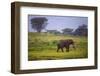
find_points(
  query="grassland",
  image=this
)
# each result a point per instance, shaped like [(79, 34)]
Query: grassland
[(43, 46)]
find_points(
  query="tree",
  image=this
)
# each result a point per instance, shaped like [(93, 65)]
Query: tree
[(67, 31), (39, 23), (81, 30), (53, 31)]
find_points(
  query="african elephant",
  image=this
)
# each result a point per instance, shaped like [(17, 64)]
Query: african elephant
[(65, 44)]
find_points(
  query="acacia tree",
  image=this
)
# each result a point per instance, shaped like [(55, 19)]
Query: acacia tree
[(67, 31), (81, 30), (39, 23)]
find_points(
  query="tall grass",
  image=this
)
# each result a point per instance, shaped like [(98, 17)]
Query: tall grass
[(43, 46)]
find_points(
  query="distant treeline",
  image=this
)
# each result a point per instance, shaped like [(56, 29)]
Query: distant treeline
[(80, 31), (40, 23)]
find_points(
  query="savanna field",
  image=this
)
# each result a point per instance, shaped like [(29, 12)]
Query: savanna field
[(43, 46)]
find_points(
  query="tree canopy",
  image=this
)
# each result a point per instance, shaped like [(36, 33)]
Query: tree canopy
[(67, 31), (39, 23), (81, 30)]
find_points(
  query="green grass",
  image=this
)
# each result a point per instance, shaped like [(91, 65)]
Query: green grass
[(42, 46)]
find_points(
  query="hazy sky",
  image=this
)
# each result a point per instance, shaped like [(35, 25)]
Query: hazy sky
[(60, 22)]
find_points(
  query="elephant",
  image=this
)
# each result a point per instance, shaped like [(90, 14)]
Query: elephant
[(65, 44)]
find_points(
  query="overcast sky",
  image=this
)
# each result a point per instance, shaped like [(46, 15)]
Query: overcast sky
[(60, 22)]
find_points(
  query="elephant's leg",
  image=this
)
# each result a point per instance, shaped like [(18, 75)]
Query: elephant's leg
[(74, 46), (62, 49), (67, 49), (58, 49)]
